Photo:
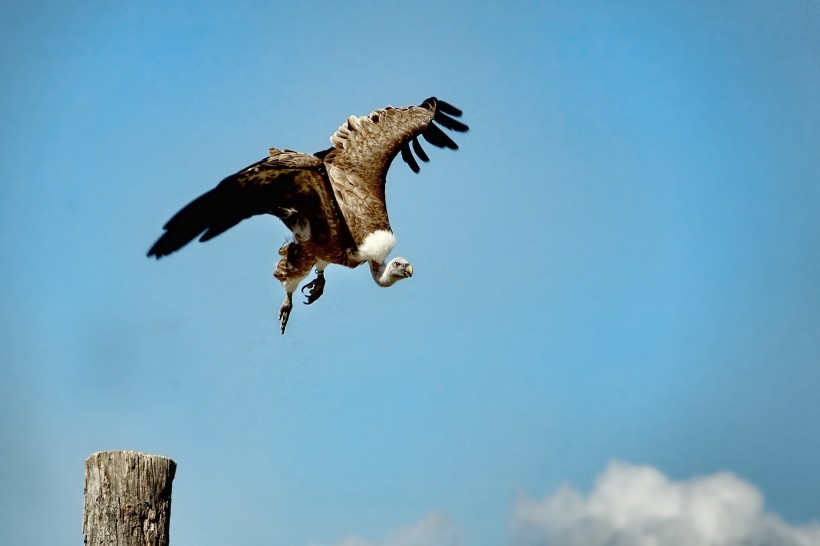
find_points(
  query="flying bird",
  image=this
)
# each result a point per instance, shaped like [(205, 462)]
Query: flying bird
[(332, 201)]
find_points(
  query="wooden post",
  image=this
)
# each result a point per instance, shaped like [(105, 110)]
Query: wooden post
[(127, 499)]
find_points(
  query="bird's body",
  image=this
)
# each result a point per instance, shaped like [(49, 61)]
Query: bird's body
[(332, 201)]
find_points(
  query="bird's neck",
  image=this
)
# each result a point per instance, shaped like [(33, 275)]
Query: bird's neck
[(380, 275)]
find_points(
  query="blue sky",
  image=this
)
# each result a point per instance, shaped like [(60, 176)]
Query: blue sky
[(621, 263)]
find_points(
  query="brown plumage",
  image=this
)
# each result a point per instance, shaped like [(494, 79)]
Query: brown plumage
[(333, 201)]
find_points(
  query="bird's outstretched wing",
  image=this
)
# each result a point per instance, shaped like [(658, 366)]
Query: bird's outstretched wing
[(280, 184), (364, 147), (367, 145)]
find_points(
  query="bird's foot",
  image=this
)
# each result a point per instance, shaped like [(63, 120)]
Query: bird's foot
[(315, 288), (284, 313)]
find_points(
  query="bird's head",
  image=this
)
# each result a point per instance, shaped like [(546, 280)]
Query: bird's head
[(391, 272)]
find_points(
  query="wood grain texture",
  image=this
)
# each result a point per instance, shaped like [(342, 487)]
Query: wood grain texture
[(127, 499)]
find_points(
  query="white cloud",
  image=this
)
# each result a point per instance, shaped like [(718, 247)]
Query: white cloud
[(433, 530), (630, 505), (639, 506)]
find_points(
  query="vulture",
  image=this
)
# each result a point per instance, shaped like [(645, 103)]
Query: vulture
[(332, 201)]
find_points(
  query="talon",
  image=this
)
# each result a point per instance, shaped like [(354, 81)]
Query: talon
[(314, 288)]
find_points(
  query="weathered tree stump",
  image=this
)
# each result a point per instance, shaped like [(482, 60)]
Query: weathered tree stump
[(127, 499)]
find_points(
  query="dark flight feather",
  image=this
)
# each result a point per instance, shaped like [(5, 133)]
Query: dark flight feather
[(408, 158), (439, 138), (450, 123), (448, 108), (419, 150), (189, 223)]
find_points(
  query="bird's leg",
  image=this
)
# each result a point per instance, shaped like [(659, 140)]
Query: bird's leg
[(291, 270), (316, 287), (284, 311)]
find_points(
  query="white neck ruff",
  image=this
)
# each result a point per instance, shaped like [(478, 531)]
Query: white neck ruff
[(376, 246)]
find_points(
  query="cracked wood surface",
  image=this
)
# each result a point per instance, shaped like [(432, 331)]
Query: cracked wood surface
[(127, 499)]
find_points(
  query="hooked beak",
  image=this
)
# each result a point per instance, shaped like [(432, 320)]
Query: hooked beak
[(409, 270)]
